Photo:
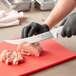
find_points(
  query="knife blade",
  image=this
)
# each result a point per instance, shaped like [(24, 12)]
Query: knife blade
[(47, 35)]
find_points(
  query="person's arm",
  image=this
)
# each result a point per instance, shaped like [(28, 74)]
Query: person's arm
[(61, 10)]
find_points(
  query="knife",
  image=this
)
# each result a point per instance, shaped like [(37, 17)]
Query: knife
[(47, 35)]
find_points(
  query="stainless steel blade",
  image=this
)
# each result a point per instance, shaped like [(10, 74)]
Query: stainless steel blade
[(51, 34), (32, 39)]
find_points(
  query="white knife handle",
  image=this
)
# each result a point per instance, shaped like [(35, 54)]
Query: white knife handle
[(56, 31)]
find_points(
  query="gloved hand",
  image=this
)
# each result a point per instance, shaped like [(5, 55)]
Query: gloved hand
[(34, 28), (69, 24)]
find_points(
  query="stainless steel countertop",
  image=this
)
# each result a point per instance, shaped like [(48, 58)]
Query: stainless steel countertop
[(64, 69)]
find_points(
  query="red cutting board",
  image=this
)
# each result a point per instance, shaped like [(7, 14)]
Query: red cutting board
[(53, 53)]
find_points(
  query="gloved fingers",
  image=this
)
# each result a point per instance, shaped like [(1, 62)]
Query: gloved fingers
[(33, 24), (37, 32), (73, 32), (63, 22), (22, 34), (63, 34), (32, 31), (25, 31), (68, 33)]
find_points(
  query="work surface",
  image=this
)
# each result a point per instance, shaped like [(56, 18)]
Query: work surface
[(35, 15)]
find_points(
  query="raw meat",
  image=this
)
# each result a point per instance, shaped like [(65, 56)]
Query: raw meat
[(11, 57), (8, 61), (20, 58), (8, 54), (4, 55), (17, 59), (29, 49), (2, 58), (14, 54)]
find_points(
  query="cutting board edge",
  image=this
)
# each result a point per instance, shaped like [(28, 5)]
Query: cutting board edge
[(57, 63)]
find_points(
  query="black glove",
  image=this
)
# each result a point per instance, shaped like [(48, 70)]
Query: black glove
[(69, 28), (34, 28)]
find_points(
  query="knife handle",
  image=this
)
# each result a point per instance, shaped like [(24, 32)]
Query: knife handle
[(56, 31)]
